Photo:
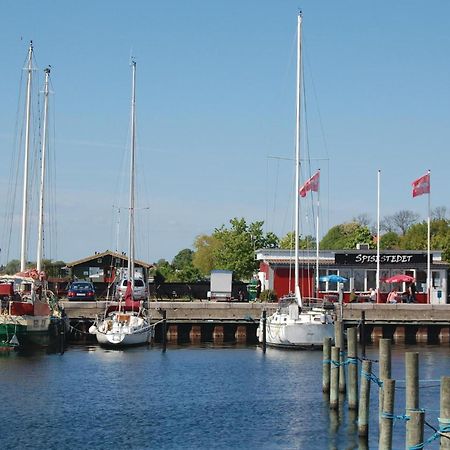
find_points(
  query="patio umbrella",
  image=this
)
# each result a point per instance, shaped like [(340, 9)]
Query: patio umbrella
[(333, 279), (399, 278)]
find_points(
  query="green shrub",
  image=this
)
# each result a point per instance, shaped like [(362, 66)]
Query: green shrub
[(268, 296)]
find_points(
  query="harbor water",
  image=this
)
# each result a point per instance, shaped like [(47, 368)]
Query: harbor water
[(192, 397)]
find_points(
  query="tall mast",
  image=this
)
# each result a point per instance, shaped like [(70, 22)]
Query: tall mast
[(297, 156), (23, 243), (40, 242), (130, 274)]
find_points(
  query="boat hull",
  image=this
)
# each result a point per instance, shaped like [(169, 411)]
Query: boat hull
[(304, 331), (30, 331), (111, 339)]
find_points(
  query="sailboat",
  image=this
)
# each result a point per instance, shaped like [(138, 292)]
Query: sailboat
[(28, 307), (293, 324), (126, 325)]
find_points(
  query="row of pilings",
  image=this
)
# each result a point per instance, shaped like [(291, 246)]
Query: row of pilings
[(343, 367)]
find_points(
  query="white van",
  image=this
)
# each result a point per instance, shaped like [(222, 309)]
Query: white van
[(140, 291)]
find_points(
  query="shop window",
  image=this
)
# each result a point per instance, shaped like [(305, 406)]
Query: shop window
[(322, 284), (421, 281), (358, 279), (346, 273), (332, 286), (436, 279), (384, 287), (371, 279)]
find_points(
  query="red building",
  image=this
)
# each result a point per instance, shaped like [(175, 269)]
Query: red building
[(358, 266)]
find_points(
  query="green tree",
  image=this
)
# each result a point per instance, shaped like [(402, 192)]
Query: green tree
[(346, 236), (203, 258), (12, 267), (183, 259), (390, 241), (237, 247), (304, 243)]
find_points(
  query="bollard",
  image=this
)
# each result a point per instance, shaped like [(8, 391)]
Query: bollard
[(164, 330), (444, 415), (334, 378), (264, 319), (339, 342), (352, 355), (412, 389), (385, 367), (414, 437), (326, 364), (386, 419), (364, 399)]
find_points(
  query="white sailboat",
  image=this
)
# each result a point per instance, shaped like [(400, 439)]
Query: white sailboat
[(127, 325), (29, 306), (295, 325)]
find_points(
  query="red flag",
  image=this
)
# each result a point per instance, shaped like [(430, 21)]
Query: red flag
[(421, 185), (129, 294), (311, 185)]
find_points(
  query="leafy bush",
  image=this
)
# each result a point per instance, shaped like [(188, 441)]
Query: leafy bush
[(268, 296)]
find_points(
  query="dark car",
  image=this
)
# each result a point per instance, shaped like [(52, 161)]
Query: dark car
[(81, 290)]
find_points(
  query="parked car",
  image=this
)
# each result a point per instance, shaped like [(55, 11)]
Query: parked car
[(140, 291), (81, 290)]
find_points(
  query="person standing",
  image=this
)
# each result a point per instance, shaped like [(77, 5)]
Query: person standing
[(258, 288)]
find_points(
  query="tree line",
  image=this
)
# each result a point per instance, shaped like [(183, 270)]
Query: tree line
[(233, 247)]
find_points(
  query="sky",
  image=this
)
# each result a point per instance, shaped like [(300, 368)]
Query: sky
[(216, 114)]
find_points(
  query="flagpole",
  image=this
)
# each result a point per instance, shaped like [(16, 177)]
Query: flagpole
[(317, 240), (429, 244), (378, 236)]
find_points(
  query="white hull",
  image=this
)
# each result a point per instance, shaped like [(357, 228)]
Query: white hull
[(304, 330), (122, 330)]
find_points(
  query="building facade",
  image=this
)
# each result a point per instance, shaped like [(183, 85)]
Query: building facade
[(359, 267)]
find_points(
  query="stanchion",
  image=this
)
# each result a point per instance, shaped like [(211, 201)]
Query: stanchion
[(444, 419), (164, 330), (364, 399), (264, 330), (385, 367), (352, 356), (412, 389), (415, 435), (387, 416), (334, 377)]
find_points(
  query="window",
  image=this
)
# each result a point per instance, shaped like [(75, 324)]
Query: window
[(436, 279), (371, 278), (358, 277), (421, 281)]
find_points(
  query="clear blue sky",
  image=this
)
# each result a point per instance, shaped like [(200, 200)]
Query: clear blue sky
[(216, 97)]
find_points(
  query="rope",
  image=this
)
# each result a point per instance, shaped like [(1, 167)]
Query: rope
[(394, 417), (372, 377)]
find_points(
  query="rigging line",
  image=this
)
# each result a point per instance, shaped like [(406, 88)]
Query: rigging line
[(322, 129)]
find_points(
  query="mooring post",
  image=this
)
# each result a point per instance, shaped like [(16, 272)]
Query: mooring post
[(164, 330), (387, 419), (352, 355), (326, 364), (62, 335), (362, 334), (339, 342), (412, 389), (364, 399), (334, 378), (444, 415), (385, 367), (414, 437), (264, 330)]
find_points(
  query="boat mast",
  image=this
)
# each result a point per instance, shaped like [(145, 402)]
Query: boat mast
[(40, 243), (130, 272), (23, 243), (297, 156)]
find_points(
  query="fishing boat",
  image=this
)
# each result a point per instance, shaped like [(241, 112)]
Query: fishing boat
[(297, 324), (127, 323), (28, 308)]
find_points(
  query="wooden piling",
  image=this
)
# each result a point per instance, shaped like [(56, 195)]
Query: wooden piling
[(264, 330), (385, 367), (416, 422), (218, 334), (241, 334), (164, 330), (195, 334), (444, 415), (339, 342), (362, 334), (412, 389), (386, 419), (352, 355), (334, 378), (364, 399), (326, 364)]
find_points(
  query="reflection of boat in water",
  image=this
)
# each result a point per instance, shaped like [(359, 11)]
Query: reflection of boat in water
[(27, 306), (128, 325), (296, 324)]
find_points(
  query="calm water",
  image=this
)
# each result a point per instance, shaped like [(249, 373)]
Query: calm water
[(188, 397)]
